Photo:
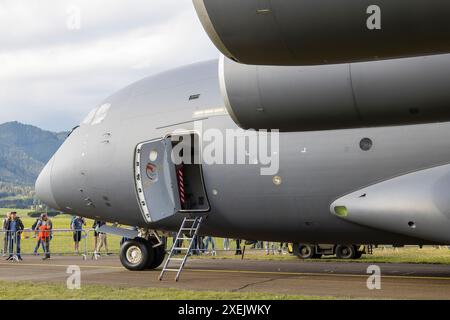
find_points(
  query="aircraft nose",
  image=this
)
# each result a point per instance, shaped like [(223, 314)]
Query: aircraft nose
[(43, 186)]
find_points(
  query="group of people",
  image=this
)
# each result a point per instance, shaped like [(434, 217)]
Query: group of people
[(13, 228), (100, 238), (42, 229), (207, 245), (271, 247), (202, 245)]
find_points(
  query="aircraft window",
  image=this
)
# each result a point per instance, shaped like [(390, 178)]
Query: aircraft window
[(366, 144), (101, 113), (71, 131), (89, 117), (153, 155)]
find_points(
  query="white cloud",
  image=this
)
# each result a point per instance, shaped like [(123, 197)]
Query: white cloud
[(52, 76)]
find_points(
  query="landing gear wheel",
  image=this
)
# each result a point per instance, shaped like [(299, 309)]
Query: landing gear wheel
[(306, 251), (159, 254), (344, 251), (134, 255)]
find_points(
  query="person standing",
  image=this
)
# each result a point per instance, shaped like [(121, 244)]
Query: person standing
[(226, 244), (36, 234), (238, 247), (281, 249), (200, 245), (270, 248), (103, 242), (77, 228), (14, 228), (209, 240), (5, 236), (102, 239), (94, 226), (259, 245), (45, 233), (196, 246)]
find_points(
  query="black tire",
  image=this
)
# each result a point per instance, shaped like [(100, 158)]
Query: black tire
[(159, 254), (135, 255), (344, 251), (306, 251)]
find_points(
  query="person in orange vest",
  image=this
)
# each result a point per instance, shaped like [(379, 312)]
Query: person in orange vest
[(45, 233)]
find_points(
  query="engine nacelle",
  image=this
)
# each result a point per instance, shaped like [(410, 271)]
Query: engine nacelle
[(370, 94), (415, 205), (311, 32)]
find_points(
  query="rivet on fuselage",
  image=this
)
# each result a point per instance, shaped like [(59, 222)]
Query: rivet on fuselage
[(277, 180), (412, 224)]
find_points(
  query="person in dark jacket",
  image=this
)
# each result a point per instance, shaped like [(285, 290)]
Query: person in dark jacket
[(238, 247), (14, 229)]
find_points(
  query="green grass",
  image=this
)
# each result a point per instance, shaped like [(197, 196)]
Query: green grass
[(426, 255), (38, 291), (21, 212)]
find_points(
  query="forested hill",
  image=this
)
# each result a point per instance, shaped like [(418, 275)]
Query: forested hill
[(24, 150)]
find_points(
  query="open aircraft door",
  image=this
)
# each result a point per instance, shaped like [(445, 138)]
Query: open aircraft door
[(165, 188)]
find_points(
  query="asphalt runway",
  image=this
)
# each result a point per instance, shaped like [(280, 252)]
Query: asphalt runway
[(336, 279)]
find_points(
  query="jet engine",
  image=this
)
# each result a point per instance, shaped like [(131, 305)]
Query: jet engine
[(305, 98), (311, 32)]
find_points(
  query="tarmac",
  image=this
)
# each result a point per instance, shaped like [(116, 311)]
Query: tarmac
[(326, 279)]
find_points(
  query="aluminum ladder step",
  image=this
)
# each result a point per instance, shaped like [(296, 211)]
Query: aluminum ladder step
[(176, 259), (196, 223)]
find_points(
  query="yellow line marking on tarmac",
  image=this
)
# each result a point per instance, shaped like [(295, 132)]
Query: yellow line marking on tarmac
[(59, 265), (240, 271)]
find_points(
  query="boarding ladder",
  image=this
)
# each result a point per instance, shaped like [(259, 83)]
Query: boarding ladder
[(188, 232)]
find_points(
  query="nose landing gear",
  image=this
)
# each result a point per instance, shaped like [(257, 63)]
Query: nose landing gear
[(140, 254)]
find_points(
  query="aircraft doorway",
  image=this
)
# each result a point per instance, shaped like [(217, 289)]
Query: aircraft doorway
[(165, 185), (193, 197)]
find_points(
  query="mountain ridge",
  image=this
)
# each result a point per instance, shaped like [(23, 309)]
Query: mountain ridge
[(24, 151)]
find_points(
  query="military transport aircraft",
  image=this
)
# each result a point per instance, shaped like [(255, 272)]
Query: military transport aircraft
[(284, 148)]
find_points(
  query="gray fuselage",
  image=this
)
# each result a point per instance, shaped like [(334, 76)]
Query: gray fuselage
[(92, 174)]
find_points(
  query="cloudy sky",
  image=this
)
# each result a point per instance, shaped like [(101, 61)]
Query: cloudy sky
[(60, 58)]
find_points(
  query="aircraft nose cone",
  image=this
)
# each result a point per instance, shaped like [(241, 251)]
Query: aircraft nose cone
[(43, 186)]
